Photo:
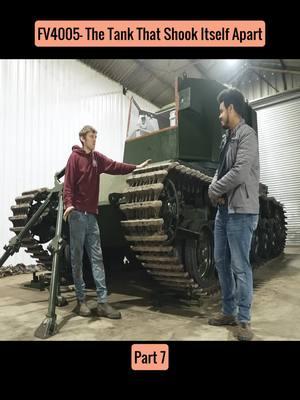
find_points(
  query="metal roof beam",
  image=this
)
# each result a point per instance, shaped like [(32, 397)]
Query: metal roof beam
[(239, 73), (156, 76), (264, 79), (278, 70), (283, 76), (201, 69)]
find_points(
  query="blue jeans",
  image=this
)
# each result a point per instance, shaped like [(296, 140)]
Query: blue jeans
[(84, 232), (233, 235)]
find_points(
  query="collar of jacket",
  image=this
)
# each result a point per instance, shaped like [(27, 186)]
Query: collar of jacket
[(230, 133), (233, 131)]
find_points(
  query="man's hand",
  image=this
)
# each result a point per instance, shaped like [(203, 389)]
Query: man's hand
[(67, 212), (215, 200), (142, 165), (221, 201)]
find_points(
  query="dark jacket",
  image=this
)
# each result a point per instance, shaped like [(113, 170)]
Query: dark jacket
[(82, 178), (241, 182)]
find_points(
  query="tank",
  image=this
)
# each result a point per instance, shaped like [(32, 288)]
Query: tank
[(160, 216)]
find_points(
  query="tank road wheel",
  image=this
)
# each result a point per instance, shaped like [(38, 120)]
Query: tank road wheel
[(153, 211), (170, 209), (199, 261)]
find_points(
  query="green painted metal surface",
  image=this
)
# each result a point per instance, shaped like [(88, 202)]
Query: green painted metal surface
[(162, 145), (199, 130), (187, 130)]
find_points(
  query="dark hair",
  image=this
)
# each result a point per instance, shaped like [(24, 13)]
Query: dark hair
[(234, 97)]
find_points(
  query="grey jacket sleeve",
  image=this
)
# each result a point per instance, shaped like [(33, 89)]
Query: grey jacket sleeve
[(246, 153), (215, 177), (210, 193)]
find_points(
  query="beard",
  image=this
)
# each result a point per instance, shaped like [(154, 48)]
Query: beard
[(225, 124)]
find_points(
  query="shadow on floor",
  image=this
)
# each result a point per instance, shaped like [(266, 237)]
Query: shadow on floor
[(144, 292), (274, 268)]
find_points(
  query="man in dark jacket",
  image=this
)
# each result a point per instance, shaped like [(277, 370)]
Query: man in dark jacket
[(235, 190), (81, 192)]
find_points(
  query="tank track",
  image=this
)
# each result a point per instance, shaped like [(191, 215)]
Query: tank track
[(22, 212), (269, 239), (151, 231), (145, 226), (145, 229)]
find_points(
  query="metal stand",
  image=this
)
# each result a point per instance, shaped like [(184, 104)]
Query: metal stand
[(49, 326), (37, 282)]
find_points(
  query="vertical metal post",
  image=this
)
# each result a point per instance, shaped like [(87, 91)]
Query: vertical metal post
[(49, 326)]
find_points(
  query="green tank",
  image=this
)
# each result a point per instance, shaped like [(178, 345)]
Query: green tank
[(163, 210), (160, 216)]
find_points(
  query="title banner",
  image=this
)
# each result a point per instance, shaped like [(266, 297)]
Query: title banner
[(150, 33)]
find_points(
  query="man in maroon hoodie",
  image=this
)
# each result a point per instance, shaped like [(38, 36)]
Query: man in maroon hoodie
[(81, 192)]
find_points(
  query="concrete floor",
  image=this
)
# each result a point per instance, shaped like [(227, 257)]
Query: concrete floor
[(149, 317)]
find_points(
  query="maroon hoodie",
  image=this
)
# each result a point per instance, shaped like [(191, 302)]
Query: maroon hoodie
[(82, 178)]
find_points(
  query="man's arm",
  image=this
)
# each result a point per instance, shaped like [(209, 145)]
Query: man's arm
[(108, 166), (247, 151), (215, 200), (144, 164), (69, 185)]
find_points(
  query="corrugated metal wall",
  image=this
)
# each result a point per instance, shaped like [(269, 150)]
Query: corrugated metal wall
[(255, 87), (279, 144), (43, 106)]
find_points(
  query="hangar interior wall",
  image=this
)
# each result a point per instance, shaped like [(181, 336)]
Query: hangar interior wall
[(278, 120), (43, 106)]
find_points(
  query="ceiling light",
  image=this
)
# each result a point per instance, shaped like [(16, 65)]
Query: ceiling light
[(232, 62)]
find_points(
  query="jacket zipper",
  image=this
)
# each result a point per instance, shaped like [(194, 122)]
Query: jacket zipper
[(246, 191), (247, 194), (233, 193)]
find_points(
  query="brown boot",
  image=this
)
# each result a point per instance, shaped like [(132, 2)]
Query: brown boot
[(244, 331), (106, 310), (222, 319), (83, 309)]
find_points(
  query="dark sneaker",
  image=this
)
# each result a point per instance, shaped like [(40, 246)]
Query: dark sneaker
[(244, 331), (83, 309), (106, 310), (222, 319)]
